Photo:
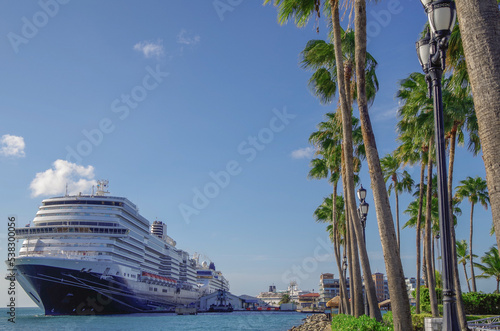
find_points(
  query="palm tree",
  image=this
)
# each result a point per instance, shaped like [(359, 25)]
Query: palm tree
[(401, 181), (490, 266), (475, 190), (317, 55), (327, 141), (285, 298), (301, 11), (410, 152), (394, 268), (416, 127), (480, 31), (463, 256)]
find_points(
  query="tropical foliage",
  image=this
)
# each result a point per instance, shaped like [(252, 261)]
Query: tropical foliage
[(343, 71)]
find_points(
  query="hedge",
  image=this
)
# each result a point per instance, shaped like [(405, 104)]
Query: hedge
[(477, 303)]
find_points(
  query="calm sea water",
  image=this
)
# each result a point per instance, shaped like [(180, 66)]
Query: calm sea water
[(31, 319)]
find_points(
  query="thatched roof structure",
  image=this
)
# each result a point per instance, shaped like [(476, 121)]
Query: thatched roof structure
[(385, 303), (334, 302)]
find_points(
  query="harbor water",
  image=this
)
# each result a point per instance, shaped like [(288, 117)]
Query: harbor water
[(34, 319)]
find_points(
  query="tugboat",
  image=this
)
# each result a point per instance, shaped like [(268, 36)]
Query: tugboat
[(221, 305)]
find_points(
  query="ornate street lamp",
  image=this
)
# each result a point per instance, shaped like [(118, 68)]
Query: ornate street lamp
[(362, 213), (361, 193), (431, 52), (344, 267)]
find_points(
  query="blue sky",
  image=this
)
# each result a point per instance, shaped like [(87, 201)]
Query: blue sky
[(170, 99)]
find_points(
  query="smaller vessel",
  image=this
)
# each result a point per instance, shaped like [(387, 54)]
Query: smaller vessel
[(221, 304)]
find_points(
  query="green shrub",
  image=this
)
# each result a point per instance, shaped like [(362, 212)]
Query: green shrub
[(363, 323), (388, 319), (418, 321), (476, 303), (425, 300)]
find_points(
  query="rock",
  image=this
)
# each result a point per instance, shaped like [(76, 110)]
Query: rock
[(316, 322)]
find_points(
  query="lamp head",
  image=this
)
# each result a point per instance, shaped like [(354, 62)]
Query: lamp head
[(363, 207), (442, 16), (361, 193), (424, 51), (425, 2)]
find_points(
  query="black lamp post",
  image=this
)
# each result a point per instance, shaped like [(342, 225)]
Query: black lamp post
[(344, 266), (431, 52), (362, 212)]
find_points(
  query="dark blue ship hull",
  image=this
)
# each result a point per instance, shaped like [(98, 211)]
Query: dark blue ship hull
[(72, 292)]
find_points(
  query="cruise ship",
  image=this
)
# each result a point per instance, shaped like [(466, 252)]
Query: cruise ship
[(95, 254)]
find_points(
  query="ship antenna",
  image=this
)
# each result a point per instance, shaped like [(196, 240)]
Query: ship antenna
[(102, 186), (66, 189)]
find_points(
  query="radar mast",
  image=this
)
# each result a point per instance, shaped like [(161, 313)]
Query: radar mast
[(102, 187)]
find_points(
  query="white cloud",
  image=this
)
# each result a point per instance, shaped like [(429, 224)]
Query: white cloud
[(12, 146), (303, 153), (183, 38), (53, 181), (387, 114), (150, 49)]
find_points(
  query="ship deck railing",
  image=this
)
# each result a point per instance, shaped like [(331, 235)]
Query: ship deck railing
[(85, 256)]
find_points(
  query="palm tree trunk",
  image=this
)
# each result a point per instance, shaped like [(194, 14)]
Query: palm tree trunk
[(339, 267), (466, 277), (347, 144), (397, 216), (394, 268), (343, 291), (336, 244), (473, 277), (419, 232), (479, 23), (456, 280), (349, 167), (453, 138), (353, 285), (427, 240), (349, 261), (424, 261), (356, 270), (433, 253)]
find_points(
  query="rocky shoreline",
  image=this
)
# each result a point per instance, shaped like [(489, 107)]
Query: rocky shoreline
[(315, 322)]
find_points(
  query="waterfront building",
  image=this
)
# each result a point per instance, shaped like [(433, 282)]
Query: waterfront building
[(381, 287), (329, 288), (252, 303), (411, 285), (273, 297), (309, 301), (212, 299)]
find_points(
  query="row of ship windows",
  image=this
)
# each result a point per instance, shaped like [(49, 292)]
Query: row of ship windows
[(61, 244), (73, 214), (83, 202), (30, 231), (79, 208), (78, 223), (155, 289)]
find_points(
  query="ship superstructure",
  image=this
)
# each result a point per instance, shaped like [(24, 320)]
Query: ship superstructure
[(210, 280), (95, 253)]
